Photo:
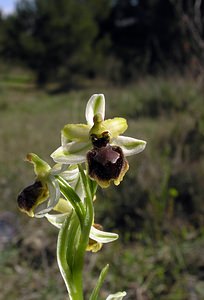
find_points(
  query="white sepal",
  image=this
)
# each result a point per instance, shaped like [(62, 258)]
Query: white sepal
[(56, 219), (130, 146), (95, 105), (102, 236), (72, 153)]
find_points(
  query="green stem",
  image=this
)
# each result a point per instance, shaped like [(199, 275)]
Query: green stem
[(85, 230), (66, 251), (74, 236)]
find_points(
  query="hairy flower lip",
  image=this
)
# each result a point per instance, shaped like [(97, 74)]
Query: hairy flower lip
[(107, 164), (28, 198), (39, 198)]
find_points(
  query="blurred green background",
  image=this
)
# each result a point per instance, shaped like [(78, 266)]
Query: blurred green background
[(147, 58)]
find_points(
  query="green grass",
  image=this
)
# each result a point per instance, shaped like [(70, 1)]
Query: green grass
[(161, 233)]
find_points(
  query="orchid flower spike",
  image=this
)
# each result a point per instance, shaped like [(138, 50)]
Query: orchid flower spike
[(99, 143)]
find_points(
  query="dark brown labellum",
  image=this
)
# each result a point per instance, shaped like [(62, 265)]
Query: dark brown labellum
[(28, 197), (105, 163)]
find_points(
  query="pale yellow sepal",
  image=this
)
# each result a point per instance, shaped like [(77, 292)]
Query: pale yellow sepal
[(41, 168), (76, 132), (62, 206), (115, 126)]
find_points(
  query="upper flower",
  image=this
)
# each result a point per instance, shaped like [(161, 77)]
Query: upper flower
[(99, 142)]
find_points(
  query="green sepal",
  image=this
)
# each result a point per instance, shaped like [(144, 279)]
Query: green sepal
[(76, 132), (41, 167), (71, 153), (129, 145), (115, 126)]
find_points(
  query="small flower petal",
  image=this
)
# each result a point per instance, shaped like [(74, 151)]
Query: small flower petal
[(130, 146), (115, 126), (72, 153), (76, 132), (95, 105), (117, 296), (63, 206)]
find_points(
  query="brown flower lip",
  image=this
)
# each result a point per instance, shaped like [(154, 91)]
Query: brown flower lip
[(28, 197), (106, 163)]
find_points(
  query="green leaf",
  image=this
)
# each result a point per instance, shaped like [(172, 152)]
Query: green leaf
[(95, 293), (69, 194), (62, 252), (67, 248)]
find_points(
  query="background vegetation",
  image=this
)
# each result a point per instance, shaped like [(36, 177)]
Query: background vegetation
[(119, 39), (146, 57)]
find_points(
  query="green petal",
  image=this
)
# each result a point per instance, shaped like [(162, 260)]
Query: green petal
[(41, 168), (115, 126), (117, 296), (102, 236), (63, 206), (95, 105), (72, 153), (130, 146), (76, 132)]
